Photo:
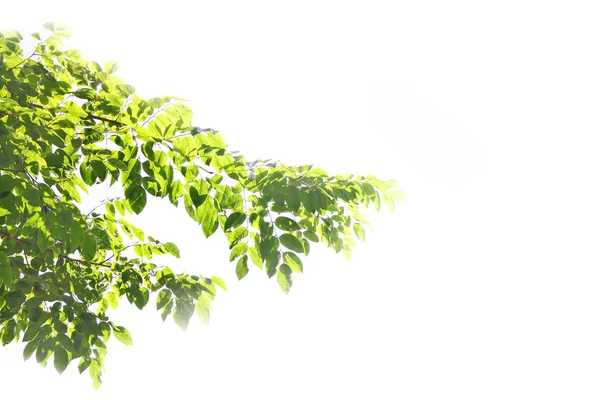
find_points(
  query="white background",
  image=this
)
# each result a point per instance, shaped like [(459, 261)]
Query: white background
[(484, 287)]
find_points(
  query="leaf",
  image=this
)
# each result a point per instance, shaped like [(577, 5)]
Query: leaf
[(6, 276), (7, 183), (85, 93), (84, 364), (110, 67), (286, 224), (241, 268), (359, 231), (284, 278), (172, 249), (271, 262), (389, 202), (136, 196), (29, 350), (61, 359), (398, 196), (293, 261), (219, 282), (210, 222), (88, 246), (163, 298), (203, 310), (234, 220), (255, 257), (96, 373), (9, 332), (291, 242), (112, 300), (183, 312), (238, 250), (122, 335), (310, 235)]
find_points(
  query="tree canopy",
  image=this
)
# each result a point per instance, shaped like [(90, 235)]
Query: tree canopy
[(67, 124)]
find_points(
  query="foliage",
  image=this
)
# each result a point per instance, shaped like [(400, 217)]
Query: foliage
[(67, 124)]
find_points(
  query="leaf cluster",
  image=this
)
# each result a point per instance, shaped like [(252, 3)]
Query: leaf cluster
[(67, 124)]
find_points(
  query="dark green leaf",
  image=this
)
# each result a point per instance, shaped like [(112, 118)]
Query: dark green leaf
[(61, 359), (84, 364), (286, 224), (136, 196), (163, 298), (234, 220), (310, 235), (88, 246), (29, 350), (291, 242), (5, 270)]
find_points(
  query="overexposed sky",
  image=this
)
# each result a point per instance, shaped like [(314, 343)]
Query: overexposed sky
[(486, 113)]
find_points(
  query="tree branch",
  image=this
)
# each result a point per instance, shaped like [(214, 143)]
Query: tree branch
[(24, 242), (96, 117)]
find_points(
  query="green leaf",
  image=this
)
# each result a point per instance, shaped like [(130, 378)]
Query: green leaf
[(88, 246), (110, 67), (172, 249), (255, 256), (136, 196), (203, 310), (210, 222), (7, 183), (286, 224), (6, 276), (234, 220), (271, 262), (389, 202), (183, 312), (61, 359), (359, 231), (398, 196), (163, 298), (29, 350), (291, 242), (238, 250), (310, 235), (284, 278), (96, 373), (293, 261), (8, 332), (219, 282), (84, 364), (122, 335), (85, 93), (241, 269), (112, 300)]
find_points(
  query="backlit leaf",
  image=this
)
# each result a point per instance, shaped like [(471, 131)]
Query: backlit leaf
[(122, 335)]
